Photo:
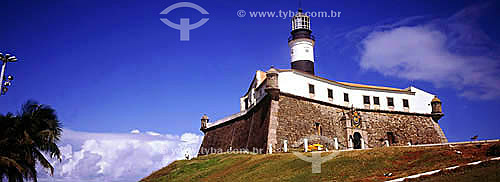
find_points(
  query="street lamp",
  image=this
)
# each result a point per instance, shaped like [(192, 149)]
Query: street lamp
[(4, 85)]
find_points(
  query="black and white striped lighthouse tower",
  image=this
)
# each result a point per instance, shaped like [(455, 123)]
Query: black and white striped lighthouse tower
[(301, 43)]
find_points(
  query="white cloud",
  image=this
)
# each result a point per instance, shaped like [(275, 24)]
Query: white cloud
[(448, 52), (152, 133), (118, 157), (136, 131)]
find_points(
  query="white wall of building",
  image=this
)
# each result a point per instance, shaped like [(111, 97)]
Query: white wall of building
[(422, 100), (255, 93), (298, 84)]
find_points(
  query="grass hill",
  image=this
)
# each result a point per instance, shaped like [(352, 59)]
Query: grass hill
[(355, 165)]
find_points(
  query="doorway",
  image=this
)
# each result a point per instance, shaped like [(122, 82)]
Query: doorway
[(357, 140)]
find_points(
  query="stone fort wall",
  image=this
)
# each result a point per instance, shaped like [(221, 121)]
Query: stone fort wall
[(292, 118), (298, 118), (249, 131)]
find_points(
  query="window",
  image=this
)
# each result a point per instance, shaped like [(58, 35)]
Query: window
[(391, 138), (366, 99), (246, 103), (330, 93), (376, 101), (390, 101), (405, 103), (318, 128), (311, 89), (346, 97)]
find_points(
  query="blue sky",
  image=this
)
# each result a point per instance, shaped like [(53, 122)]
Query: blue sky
[(113, 66)]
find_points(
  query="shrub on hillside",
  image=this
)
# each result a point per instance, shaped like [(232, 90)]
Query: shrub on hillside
[(494, 150)]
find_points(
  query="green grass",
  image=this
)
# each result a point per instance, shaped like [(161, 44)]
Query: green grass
[(360, 165)]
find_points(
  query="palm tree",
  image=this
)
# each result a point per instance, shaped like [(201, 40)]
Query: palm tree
[(25, 138)]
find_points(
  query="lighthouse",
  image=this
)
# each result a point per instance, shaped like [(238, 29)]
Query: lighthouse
[(301, 43)]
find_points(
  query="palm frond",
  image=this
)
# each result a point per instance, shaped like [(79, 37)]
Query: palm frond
[(6, 162), (43, 161)]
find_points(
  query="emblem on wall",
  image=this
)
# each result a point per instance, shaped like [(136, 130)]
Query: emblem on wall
[(356, 119)]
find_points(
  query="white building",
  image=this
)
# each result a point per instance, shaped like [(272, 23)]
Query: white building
[(302, 84)]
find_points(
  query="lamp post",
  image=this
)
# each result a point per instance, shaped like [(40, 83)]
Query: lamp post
[(3, 85)]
